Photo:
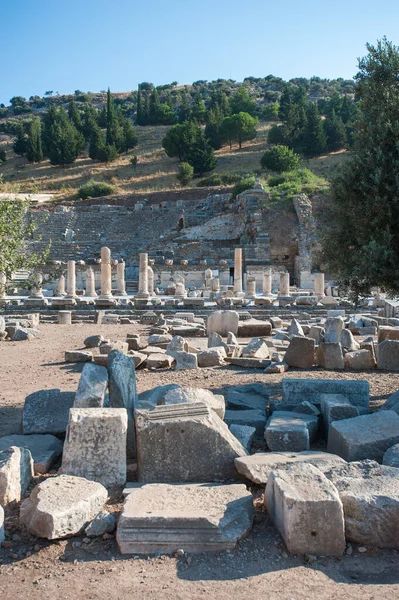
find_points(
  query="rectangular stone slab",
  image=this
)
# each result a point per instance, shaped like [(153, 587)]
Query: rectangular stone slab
[(44, 448), (296, 391), (47, 411), (196, 517)]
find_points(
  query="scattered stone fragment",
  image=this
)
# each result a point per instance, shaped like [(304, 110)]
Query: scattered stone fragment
[(391, 457), (370, 496), (122, 381), (289, 431), (386, 332), (159, 518), (248, 363), (156, 396), (348, 341), (122, 347), (216, 341), (392, 403), (367, 436), (256, 348), (74, 356), (300, 352), (278, 367), (61, 506), (92, 386), (93, 341), (244, 434), (333, 327), (47, 411), (21, 334), (187, 395), (276, 322), (138, 358), (95, 445), (258, 467), (186, 360), (388, 355), (296, 390), (16, 471), (329, 356), (159, 361), (254, 328), (335, 407), (135, 342), (298, 500), (177, 344), (295, 328), (104, 522), (231, 338), (212, 357), (316, 332), (184, 443), (255, 418), (45, 449), (161, 340), (360, 360), (307, 409)]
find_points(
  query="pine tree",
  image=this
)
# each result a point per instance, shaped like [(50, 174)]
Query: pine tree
[(198, 111), (219, 101), (314, 138), (154, 107), (96, 143), (185, 108), (130, 137), (201, 156), (141, 117), (286, 102), (89, 122), (74, 115), (63, 142), (111, 134), (214, 120), (34, 152), (20, 143), (335, 132)]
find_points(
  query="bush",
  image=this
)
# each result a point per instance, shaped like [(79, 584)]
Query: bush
[(292, 183), (245, 184), (185, 173), (94, 189), (220, 179), (276, 135), (280, 159)]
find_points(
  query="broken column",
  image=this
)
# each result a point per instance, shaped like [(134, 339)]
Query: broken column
[(60, 288), (318, 284), (143, 277), (284, 284), (215, 284), (64, 317), (208, 279), (71, 279), (90, 283), (238, 270), (120, 279), (267, 282), (150, 275), (250, 291)]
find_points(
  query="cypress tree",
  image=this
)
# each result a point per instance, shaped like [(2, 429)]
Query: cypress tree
[(96, 143), (34, 152), (20, 143), (141, 118), (130, 137), (198, 111), (314, 138), (185, 108), (200, 154), (111, 120), (63, 142), (335, 132), (212, 130), (154, 107), (74, 115)]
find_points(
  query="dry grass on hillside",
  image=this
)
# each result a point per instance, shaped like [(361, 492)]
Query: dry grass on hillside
[(154, 172)]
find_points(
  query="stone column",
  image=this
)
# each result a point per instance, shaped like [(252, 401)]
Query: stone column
[(318, 284), (106, 273), (208, 279), (120, 279), (60, 289), (64, 317), (143, 277), (267, 282), (3, 281), (150, 276), (215, 284), (250, 292), (71, 279), (284, 284), (238, 270), (90, 283)]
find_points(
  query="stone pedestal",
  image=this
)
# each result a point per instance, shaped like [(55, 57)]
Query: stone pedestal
[(284, 284), (143, 277), (36, 298), (60, 289), (106, 299), (208, 279), (250, 291), (318, 285), (120, 279), (150, 276), (215, 284), (90, 283), (238, 270), (64, 317), (267, 282)]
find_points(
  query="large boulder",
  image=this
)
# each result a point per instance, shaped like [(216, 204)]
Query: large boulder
[(388, 355), (222, 322), (329, 356), (122, 381), (16, 471), (92, 386), (297, 390), (44, 448), (256, 348), (162, 518), (290, 431), (359, 360), (47, 411), (306, 509), (300, 352), (62, 506), (334, 327)]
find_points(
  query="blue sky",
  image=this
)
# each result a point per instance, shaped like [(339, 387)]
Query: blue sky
[(92, 44)]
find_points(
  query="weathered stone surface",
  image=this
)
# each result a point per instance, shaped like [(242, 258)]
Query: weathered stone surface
[(370, 497), (44, 449), (196, 517), (386, 332), (348, 341), (156, 396), (251, 418), (289, 431), (367, 436), (297, 390), (47, 411), (184, 443), (295, 328), (92, 386), (306, 509), (248, 363), (392, 403), (93, 341), (278, 367), (391, 457), (121, 347), (159, 361), (316, 332), (104, 522), (216, 341), (256, 348), (16, 471), (186, 360), (222, 322), (249, 396), (300, 352), (187, 395), (74, 356), (360, 360), (161, 340), (21, 334), (334, 327), (177, 344), (135, 342), (254, 328), (122, 381), (388, 355), (2, 532), (61, 506), (329, 356), (212, 357), (307, 409), (138, 358), (369, 345), (258, 467), (95, 445), (244, 434), (335, 407), (231, 338)]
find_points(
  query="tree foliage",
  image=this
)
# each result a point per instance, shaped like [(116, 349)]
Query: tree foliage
[(280, 159), (34, 151)]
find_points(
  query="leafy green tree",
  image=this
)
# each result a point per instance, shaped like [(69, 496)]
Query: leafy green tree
[(228, 131), (142, 109), (179, 138), (335, 131), (130, 137), (242, 102), (314, 140), (185, 173), (214, 120), (96, 143), (74, 115), (277, 135), (220, 102), (360, 240), (20, 142), (112, 124), (15, 230), (201, 155), (185, 108), (34, 151), (198, 111), (62, 141), (245, 127), (280, 159)]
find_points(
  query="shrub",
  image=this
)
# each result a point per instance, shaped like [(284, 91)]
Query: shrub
[(245, 184), (300, 181), (94, 189), (185, 173), (276, 135), (280, 159)]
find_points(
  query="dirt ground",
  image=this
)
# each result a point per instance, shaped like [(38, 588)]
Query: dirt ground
[(93, 569)]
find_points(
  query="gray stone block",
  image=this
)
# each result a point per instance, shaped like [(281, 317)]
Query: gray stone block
[(391, 457), (188, 395), (47, 411), (367, 436), (212, 357), (359, 360), (388, 355), (45, 449), (104, 522), (335, 407), (334, 327), (251, 418), (186, 360), (256, 348), (306, 509), (16, 471), (297, 390), (195, 517), (122, 381), (186, 442), (329, 356), (300, 352), (244, 434), (92, 386), (289, 431), (76, 356), (250, 396)]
